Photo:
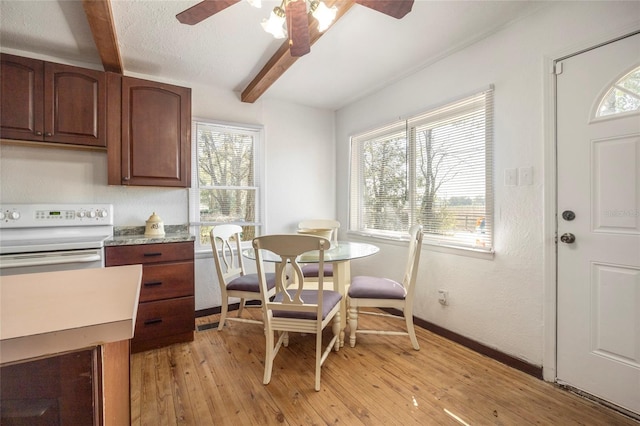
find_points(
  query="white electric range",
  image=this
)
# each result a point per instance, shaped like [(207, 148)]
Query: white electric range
[(53, 237)]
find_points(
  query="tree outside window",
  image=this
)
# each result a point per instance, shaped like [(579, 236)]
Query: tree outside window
[(227, 185)]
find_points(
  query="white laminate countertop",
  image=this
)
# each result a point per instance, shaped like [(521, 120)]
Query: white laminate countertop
[(54, 312)]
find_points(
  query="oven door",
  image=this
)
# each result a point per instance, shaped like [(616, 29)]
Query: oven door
[(64, 260)]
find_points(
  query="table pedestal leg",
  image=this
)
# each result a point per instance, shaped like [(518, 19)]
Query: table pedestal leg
[(341, 279)]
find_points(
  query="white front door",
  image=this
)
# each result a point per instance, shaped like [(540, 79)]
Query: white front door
[(598, 175)]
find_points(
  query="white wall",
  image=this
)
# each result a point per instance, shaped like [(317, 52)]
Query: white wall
[(299, 148), (499, 301)]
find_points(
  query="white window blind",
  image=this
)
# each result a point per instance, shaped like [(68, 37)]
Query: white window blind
[(226, 182), (434, 169)]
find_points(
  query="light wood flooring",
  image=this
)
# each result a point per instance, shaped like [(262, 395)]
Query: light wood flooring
[(217, 380)]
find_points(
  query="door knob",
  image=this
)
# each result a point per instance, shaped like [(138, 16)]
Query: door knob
[(568, 238), (568, 215)]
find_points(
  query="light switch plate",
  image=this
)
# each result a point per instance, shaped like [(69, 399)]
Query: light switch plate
[(525, 175), (511, 177)]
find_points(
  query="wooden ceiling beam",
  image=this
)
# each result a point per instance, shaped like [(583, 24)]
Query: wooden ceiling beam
[(104, 33), (280, 62)]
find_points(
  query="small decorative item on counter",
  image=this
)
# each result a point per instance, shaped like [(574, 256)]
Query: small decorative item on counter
[(155, 226)]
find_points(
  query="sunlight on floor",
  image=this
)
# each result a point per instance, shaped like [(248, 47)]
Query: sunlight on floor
[(458, 419)]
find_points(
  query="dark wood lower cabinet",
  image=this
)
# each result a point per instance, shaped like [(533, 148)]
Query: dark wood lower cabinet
[(164, 322), (87, 387), (166, 312)]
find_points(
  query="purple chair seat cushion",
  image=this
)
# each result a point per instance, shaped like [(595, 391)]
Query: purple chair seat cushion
[(363, 287), (330, 299), (249, 282), (312, 269)]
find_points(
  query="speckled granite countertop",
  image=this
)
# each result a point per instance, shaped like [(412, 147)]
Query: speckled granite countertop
[(131, 235)]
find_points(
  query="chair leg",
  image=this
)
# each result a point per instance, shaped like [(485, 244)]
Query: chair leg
[(408, 316), (268, 357), (336, 331), (241, 307), (318, 359), (223, 313), (353, 325)]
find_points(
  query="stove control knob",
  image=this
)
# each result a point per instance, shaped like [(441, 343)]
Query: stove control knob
[(14, 215), (2, 216), (102, 213), (80, 214), (92, 214)]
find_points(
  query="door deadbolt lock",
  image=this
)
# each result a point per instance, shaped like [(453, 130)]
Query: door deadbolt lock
[(568, 215), (568, 238)]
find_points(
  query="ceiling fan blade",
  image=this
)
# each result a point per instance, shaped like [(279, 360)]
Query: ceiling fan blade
[(298, 27), (396, 8), (203, 10)]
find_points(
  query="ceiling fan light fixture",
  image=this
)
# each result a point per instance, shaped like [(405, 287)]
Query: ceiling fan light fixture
[(275, 24), (325, 15)]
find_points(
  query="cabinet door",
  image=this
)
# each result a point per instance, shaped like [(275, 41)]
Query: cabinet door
[(74, 105), (156, 134), (21, 108), (58, 390)]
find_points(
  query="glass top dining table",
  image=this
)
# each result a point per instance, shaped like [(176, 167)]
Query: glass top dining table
[(339, 252), (340, 256)]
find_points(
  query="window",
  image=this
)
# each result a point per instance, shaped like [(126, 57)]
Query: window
[(622, 97), (226, 179), (433, 169)]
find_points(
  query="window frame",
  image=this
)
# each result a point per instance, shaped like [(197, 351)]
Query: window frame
[(410, 125), (617, 84), (195, 223)]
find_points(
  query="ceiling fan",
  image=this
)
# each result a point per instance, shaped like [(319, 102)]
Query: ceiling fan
[(296, 15)]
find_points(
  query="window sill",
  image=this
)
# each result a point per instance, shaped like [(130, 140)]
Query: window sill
[(204, 254), (433, 246)]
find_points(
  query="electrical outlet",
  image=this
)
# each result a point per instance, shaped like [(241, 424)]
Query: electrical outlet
[(443, 297)]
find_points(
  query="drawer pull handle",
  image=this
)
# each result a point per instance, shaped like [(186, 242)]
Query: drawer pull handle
[(152, 254), (153, 283), (153, 321)]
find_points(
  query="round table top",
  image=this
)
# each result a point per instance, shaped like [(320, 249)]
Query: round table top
[(339, 251)]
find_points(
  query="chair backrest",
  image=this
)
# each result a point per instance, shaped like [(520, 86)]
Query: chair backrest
[(289, 247), (413, 259), (321, 224), (228, 263)]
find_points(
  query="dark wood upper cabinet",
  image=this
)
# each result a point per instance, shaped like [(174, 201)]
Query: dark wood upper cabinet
[(153, 147), (21, 99), (48, 102)]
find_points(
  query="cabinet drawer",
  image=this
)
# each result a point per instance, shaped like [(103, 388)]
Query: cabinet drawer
[(164, 281), (165, 318), (148, 253)]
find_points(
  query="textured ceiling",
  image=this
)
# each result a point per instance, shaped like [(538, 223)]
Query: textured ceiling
[(361, 53)]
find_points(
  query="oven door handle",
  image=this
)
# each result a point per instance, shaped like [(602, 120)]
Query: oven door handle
[(25, 260)]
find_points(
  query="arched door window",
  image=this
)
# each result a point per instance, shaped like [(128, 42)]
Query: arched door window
[(622, 97)]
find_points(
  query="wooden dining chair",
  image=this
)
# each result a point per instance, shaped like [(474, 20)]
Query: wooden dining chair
[(293, 308), (378, 292), (234, 281), (327, 228)]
